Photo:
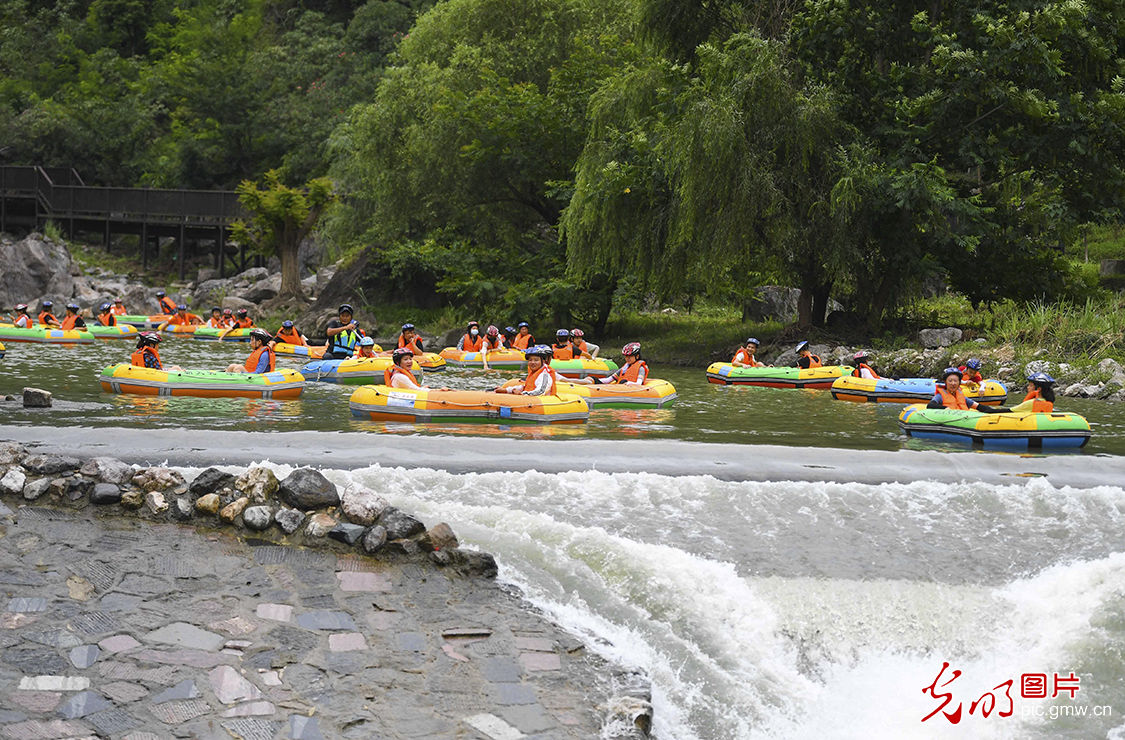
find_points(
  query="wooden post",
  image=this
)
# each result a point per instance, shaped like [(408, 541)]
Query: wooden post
[(182, 253)]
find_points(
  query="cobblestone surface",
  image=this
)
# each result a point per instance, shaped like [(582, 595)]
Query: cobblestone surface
[(121, 628)]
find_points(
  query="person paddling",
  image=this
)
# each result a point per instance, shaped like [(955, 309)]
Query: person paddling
[(542, 380), (745, 355), (262, 358), (343, 335)]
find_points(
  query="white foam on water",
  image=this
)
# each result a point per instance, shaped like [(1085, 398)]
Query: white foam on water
[(717, 590)]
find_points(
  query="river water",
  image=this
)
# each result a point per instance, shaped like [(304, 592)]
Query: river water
[(760, 609)]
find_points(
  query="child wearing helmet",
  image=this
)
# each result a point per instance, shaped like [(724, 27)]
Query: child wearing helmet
[(1040, 398), (118, 307), (542, 380), (181, 318), (289, 335), (409, 338), (365, 348), (862, 369), (582, 348), (950, 396), (165, 305), (970, 371), (23, 318), (243, 320), (633, 372), (262, 358), (105, 315), (146, 354), (492, 339), (72, 320), (805, 358), (562, 348), (46, 318), (523, 339), (744, 356)]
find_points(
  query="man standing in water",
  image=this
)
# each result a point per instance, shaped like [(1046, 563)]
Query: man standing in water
[(343, 335)]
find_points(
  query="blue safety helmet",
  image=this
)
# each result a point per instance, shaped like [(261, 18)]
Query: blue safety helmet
[(951, 371), (509, 330), (753, 341), (287, 324), (1041, 379), (522, 324), (973, 364), (540, 350), (160, 294), (105, 306), (562, 333), (802, 345), (366, 342), (408, 327), (216, 308), (47, 304), (181, 307), (72, 306)]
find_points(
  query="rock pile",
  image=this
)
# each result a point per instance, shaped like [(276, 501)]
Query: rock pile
[(304, 507)]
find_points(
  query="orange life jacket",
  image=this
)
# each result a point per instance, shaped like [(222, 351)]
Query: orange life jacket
[(632, 373), (493, 344), (529, 384), (814, 361), (167, 305), (579, 346), (68, 322), (23, 321), (970, 375), (856, 373), (413, 345), (216, 323), (364, 352), (290, 336), (252, 360), (46, 318), (523, 341), (138, 356), (745, 355), (565, 352), (118, 310), (1039, 405), (107, 319), (245, 323), (389, 374), (178, 320), (473, 345), (953, 400)]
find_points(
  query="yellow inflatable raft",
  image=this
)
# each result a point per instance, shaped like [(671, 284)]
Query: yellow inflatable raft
[(654, 393), (380, 403), (498, 359), (299, 350), (143, 381)]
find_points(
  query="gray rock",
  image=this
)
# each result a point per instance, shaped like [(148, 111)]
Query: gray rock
[(105, 493), (51, 464), (157, 479), (186, 635), (209, 481), (933, 338), (78, 487), (234, 303), (320, 524), (185, 689), (11, 453), (156, 502), (440, 537), (780, 303), (251, 275), (36, 398), (36, 488), (182, 508), (306, 489), (258, 483), (206, 273), (13, 481), (374, 539), (482, 563), (346, 533), (323, 619), (362, 505), (83, 656), (289, 520), (257, 518), (82, 704), (400, 525), (34, 266), (107, 469), (262, 290)]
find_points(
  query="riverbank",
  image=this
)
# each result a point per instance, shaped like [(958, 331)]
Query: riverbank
[(347, 617)]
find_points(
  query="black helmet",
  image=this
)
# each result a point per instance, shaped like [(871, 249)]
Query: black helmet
[(160, 294), (260, 334), (148, 337), (72, 307), (216, 308), (105, 306), (346, 308), (401, 352)]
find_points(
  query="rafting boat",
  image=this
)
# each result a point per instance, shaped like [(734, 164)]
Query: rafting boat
[(299, 350), (498, 359), (184, 330), (380, 403), (725, 373), (356, 371), (143, 322), (584, 368), (654, 393), (1004, 430), (121, 331), (44, 335), (143, 381), (430, 361), (212, 334), (912, 390), (2, 350)]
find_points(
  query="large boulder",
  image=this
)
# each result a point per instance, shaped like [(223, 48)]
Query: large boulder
[(234, 303), (262, 290), (307, 489), (210, 293), (35, 266), (362, 505), (779, 303), (933, 338)]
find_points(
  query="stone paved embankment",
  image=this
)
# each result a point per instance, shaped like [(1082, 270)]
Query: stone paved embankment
[(125, 628)]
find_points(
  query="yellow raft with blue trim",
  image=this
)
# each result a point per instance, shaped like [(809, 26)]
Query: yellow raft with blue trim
[(911, 390), (381, 403)]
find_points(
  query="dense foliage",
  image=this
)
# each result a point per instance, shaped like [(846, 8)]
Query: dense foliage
[(540, 157)]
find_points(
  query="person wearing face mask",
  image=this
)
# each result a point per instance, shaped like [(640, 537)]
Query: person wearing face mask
[(472, 341)]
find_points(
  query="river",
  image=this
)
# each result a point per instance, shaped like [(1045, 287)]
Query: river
[(813, 584)]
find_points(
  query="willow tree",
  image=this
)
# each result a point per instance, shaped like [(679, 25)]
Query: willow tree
[(280, 219), (724, 168)]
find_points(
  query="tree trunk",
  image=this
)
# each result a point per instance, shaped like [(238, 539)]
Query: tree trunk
[(804, 307), (820, 295), (290, 273), (605, 305)]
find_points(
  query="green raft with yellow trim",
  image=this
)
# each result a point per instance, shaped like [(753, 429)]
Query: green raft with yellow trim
[(44, 335), (1012, 430), (142, 381), (821, 378)]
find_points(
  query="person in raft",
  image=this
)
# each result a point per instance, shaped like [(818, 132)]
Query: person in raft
[(862, 369), (46, 317), (744, 357), (343, 335), (289, 335), (261, 359), (633, 372), (145, 355), (243, 320), (805, 358), (23, 319), (228, 318), (971, 371), (492, 339), (72, 321), (950, 396), (471, 340), (166, 305), (1040, 398), (523, 338), (181, 318), (509, 336), (216, 321), (541, 377), (582, 348), (118, 307), (365, 348), (409, 338), (400, 375), (563, 348), (105, 315)]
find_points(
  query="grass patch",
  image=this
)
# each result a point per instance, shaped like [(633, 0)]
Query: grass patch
[(707, 334)]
